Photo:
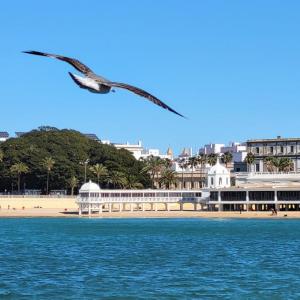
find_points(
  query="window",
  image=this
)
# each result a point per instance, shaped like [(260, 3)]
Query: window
[(188, 195), (220, 180), (137, 195), (125, 195), (115, 195), (292, 149), (211, 181), (272, 149), (161, 194), (281, 149), (149, 194), (257, 167), (257, 150), (85, 195)]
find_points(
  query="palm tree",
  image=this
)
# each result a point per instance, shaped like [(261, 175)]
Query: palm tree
[(19, 169), (73, 183), (271, 163), (168, 177), (212, 159), (279, 164), (48, 163), (117, 179), (249, 159), (227, 158), (202, 159), (154, 165), (131, 182), (182, 165), (192, 163), (100, 171), (285, 164)]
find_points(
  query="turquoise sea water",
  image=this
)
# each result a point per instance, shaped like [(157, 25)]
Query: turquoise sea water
[(149, 259)]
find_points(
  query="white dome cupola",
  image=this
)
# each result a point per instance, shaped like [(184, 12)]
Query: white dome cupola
[(89, 189), (218, 176)]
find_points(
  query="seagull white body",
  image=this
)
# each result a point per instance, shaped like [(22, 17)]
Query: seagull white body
[(90, 84), (98, 84)]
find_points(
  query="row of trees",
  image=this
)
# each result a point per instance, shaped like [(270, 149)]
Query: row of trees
[(201, 160), (272, 163), (51, 158), (156, 166), (161, 168)]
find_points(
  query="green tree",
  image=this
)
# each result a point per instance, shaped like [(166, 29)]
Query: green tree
[(131, 182), (249, 160), (202, 159), (227, 158), (19, 169), (168, 177), (48, 163), (1, 156), (67, 148), (154, 165), (278, 164), (117, 179), (183, 165), (271, 163), (285, 164), (212, 159), (73, 183), (100, 171), (193, 163)]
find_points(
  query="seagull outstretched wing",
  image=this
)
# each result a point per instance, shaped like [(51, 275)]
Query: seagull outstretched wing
[(72, 61), (144, 94)]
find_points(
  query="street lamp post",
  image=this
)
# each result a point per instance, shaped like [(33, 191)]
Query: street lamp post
[(85, 166)]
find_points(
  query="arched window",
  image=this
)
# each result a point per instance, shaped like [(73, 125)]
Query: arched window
[(212, 181), (220, 180)]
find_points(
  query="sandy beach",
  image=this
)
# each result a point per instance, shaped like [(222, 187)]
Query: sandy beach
[(66, 207)]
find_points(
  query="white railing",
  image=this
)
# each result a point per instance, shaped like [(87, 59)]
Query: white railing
[(137, 199), (266, 173), (37, 196)]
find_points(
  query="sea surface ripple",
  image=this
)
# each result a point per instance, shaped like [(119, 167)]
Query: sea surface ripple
[(81, 258)]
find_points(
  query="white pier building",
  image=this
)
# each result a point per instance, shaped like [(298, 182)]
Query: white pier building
[(92, 199)]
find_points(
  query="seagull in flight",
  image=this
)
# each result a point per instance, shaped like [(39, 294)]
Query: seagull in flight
[(98, 84)]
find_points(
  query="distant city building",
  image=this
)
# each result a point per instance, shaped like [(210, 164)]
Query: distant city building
[(135, 149), (20, 133), (278, 147), (238, 150), (92, 136), (3, 136), (185, 153), (211, 149)]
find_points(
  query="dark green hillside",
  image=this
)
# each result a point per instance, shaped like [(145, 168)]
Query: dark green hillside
[(69, 149)]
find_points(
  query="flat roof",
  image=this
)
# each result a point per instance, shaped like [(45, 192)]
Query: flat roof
[(254, 189), (274, 140)]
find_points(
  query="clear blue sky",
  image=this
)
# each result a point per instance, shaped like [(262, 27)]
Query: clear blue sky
[(232, 67)]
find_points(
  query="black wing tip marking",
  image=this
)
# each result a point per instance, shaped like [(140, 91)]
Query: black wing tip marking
[(35, 52)]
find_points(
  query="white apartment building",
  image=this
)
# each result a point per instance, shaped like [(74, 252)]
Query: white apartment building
[(3, 136), (238, 150)]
